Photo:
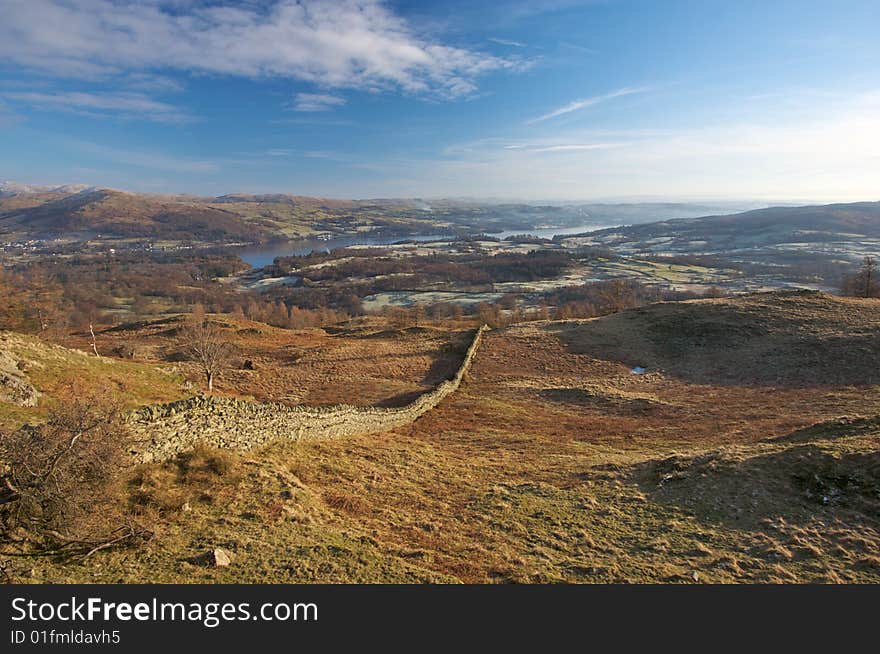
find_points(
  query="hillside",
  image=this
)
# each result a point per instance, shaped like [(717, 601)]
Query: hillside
[(34, 375), (85, 212), (125, 215), (552, 462), (10, 202), (113, 214), (786, 338), (755, 229)]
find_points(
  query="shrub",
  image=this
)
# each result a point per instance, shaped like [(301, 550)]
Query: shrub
[(62, 480), (203, 462)]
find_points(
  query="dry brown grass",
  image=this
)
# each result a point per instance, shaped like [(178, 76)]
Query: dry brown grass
[(199, 474), (548, 465), (310, 366), (793, 339)]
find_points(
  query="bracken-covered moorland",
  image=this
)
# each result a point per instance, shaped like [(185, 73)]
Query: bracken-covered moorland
[(744, 448)]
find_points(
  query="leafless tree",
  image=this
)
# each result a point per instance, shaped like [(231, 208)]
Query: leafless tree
[(207, 344), (863, 283), (618, 294), (868, 275), (94, 342)]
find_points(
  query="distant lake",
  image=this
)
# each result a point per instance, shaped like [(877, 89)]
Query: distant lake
[(264, 255)]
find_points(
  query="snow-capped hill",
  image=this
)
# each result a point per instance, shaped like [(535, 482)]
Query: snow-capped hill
[(9, 188)]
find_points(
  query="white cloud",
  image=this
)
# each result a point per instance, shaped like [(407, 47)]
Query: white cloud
[(329, 155), (150, 82), (568, 147), (129, 105), (512, 44), (313, 120), (584, 103), (317, 102), (334, 43), (577, 47)]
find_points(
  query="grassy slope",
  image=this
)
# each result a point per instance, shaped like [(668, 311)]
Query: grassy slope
[(550, 464), (799, 338), (50, 368)]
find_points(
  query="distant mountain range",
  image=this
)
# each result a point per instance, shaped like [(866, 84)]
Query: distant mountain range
[(83, 212)]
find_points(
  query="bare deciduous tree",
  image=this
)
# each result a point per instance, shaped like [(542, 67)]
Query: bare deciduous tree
[(868, 275), (206, 344), (618, 294), (864, 283), (94, 342)]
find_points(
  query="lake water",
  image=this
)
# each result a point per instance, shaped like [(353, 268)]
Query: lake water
[(264, 255)]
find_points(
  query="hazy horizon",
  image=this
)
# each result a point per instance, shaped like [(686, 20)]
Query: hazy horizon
[(41, 186)]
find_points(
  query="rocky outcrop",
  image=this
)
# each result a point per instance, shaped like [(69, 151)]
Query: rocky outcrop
[(164, 430), (14, 384)]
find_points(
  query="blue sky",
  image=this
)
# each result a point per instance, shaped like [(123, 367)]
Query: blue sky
[(556, 100)]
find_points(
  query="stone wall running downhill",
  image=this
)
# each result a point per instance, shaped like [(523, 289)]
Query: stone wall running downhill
[(166, 429)]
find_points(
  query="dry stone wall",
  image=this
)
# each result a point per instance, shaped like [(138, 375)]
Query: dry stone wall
[(164, 430)]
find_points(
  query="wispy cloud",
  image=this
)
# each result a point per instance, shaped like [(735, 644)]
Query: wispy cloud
[(313, 120), (128, 105), (336, 43), (823, 151), (151, 83), (577, 47), (512, 44), (563, 147), (317, 102), (583, 103), (330, 155)]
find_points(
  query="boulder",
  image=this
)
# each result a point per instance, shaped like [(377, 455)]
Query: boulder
[(216, 558)]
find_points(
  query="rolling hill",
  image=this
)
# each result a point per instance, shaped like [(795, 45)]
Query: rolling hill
[(793, 339), (78, 211), (32, 212), (757, 228), (126, 215)]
